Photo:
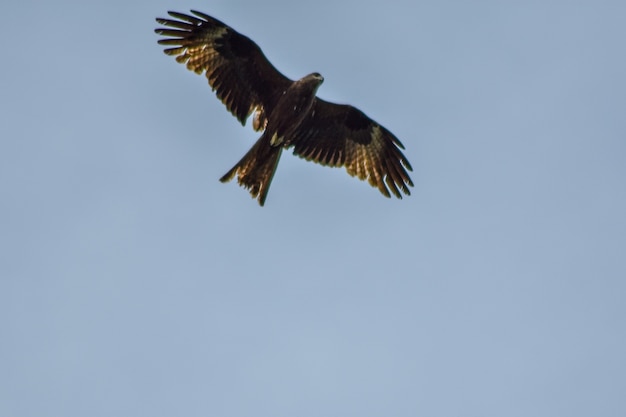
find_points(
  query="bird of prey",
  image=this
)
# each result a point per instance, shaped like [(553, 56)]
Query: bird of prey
[(288, 112)]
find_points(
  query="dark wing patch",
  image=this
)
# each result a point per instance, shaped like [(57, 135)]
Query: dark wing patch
[(237, 70), (341, 135)]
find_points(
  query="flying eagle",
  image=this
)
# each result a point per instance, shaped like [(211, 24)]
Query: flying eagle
[(288, 112)]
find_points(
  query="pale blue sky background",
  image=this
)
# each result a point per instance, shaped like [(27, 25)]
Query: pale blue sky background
[(133, 283)]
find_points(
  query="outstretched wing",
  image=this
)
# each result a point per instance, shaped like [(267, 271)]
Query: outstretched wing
[(341, 135), (237, 70)]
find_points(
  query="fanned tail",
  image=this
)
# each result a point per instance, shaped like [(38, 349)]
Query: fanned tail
[(256, 169)]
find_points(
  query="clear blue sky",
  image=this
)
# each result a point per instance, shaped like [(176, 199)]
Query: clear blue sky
[(134, 283)]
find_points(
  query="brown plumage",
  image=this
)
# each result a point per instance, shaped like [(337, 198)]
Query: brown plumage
[(288, 112)]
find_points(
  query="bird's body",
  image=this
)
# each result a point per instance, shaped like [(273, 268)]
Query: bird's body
[(292, 107), (288, 112)]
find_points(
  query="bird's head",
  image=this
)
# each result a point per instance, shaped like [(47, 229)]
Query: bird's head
[(316, 76)]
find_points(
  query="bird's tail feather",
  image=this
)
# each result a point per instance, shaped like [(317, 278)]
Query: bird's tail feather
[(256, 169)]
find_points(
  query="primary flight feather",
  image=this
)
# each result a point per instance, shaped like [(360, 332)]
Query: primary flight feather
[(288, 112)]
